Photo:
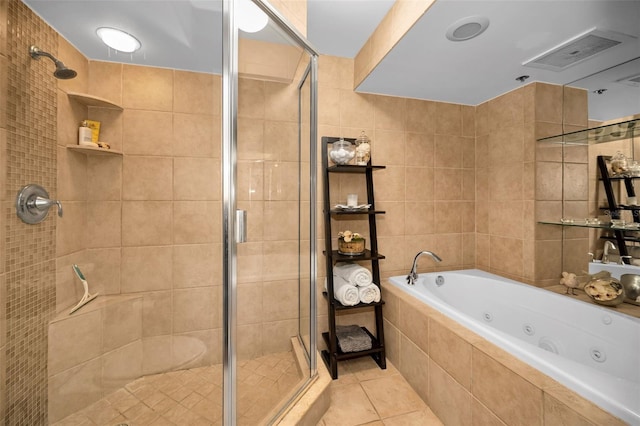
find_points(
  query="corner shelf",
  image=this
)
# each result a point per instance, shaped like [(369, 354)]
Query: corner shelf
[(595, 135), (94, 101), (89, 150)]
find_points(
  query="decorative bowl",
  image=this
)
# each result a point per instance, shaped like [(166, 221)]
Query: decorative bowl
[(606, 291)]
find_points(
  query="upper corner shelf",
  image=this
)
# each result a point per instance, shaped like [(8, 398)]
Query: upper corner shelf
[(94, 101), (89, 150), (611, 132)]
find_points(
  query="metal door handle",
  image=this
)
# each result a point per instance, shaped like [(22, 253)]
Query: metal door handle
[(241, 226)]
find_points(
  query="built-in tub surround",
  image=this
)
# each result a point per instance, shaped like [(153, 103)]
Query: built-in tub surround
[(443, 339)]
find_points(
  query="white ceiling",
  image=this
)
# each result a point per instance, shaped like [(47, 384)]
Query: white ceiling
[(186, 34)]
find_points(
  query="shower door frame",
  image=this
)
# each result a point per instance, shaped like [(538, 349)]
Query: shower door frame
[(229, 198)]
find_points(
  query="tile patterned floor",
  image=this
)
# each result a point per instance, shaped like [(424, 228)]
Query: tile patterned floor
[(362, 395), (365, 395), (194, 397)]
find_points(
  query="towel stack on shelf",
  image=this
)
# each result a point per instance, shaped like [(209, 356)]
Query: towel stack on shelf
[(353, 284)]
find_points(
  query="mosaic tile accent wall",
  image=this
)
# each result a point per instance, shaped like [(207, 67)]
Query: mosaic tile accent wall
[(29, 249)]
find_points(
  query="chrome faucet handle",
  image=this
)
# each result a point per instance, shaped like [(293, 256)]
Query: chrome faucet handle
[(591, 257), (622, 258), (43, 204), (33, 203), (411, 278)]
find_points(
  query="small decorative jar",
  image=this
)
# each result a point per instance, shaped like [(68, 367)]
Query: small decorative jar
[(605, 291), (363, 150), (619, 163), (342, 152), (350, 243)]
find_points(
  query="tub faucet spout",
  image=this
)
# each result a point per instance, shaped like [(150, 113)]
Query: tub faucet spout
[(413, 274), (608, 245)]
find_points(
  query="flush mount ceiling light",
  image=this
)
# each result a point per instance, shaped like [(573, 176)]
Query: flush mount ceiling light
[(467, 28), (251, 18), (118, 39)]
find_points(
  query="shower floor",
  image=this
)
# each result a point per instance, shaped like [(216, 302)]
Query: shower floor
[(194, 397)]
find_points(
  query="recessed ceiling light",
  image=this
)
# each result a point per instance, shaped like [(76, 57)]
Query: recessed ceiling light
[(467, 28), (118, 39), (251, 18)]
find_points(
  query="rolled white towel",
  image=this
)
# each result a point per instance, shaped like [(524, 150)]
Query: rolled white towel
[(369, 293), (353, 273), (344, 292)]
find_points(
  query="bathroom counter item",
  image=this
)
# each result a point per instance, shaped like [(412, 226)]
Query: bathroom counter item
[(93, 150), (592, 350)]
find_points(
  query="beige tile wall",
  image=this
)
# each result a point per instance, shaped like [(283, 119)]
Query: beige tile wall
[(467, 380), (520, 182), (427, 188), (27, 155)]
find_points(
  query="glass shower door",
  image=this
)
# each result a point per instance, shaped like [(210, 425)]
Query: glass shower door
[(273, 263)]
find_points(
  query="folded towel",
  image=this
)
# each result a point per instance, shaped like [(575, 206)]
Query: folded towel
[(344, 292), (352, 338), (353, 273), (369, 293)]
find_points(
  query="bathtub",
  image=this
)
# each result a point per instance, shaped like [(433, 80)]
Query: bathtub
[(592, 350)]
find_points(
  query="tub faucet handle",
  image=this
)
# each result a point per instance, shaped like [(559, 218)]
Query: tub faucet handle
[(413, 274), (591, 259), (622, 258)]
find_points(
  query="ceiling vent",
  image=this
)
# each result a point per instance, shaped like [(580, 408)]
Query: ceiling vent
[(577, 49), (633, 80)]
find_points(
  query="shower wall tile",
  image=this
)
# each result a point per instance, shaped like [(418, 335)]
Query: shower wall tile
[(196, 179), (104, 221), (147, 178), (157, 318), (281, 141), (121, 366), (250, 308), (146, 223), (106, 80), (147, 132), (279, 300), (104, 269), (69, 115), (146, 269), (196, 93), (71, 175), (104, 177), (192, 309), (71, 233), (196, 222), (67, 334), (74, 389), (111, 127), (76, 61), (251, 99), (277, 335), (121, 324), (391, 145), (197, 265), (196, 135), (147, 88)]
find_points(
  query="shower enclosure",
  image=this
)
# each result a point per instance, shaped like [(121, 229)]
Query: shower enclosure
[(196, 229)]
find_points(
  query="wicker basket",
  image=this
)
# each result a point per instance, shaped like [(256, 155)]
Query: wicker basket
[(351, 248)]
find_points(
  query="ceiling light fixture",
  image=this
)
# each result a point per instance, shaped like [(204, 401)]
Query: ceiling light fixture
[(467, 28), (118, 39), (251, 18)]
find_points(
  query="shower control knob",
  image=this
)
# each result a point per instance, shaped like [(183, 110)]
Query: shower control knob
[(33, 203)]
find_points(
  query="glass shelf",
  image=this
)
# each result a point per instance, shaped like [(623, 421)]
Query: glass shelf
[(583, 224), (610, 132)]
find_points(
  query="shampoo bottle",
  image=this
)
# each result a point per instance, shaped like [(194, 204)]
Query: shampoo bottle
[(84, 134)]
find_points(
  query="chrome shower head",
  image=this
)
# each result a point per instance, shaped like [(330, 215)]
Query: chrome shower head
[(61, 71)]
